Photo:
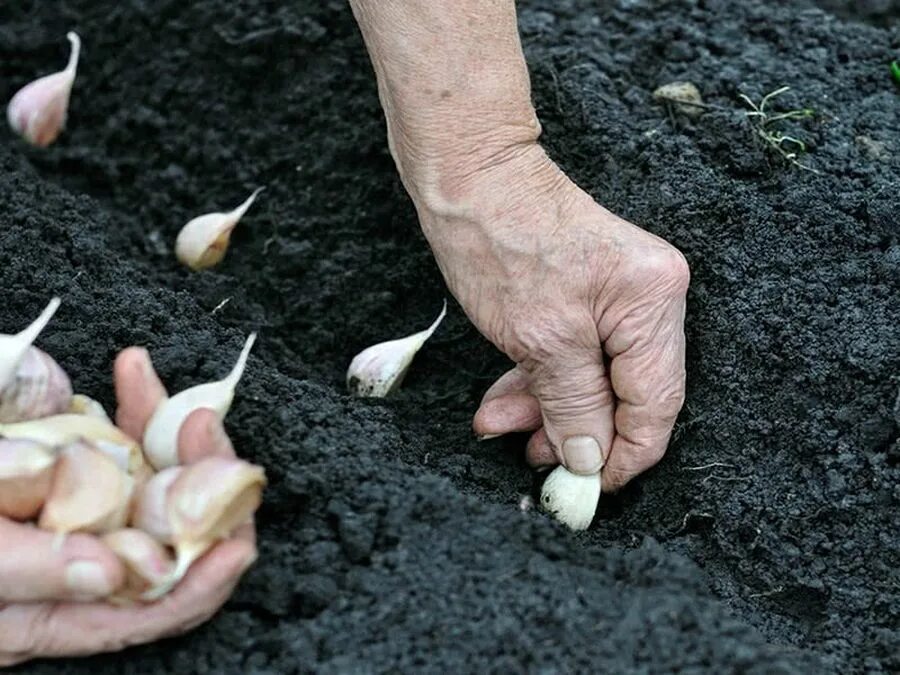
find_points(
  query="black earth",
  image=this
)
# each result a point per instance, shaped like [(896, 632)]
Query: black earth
[(767, 540)]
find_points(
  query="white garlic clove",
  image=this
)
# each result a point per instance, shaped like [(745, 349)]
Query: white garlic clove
[(161, 434), (38, 388), (60, 430), (205, 504), (148, 563), (150, 512), (570, 498), (26, 473), (202, 243), (14, 347), (38, 110), (85, 405), (89, 493), (378, 370)]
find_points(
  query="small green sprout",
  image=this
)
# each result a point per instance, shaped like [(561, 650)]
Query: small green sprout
[(786, 146), (895, 71)]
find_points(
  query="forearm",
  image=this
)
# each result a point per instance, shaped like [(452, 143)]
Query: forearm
[(453, 83)]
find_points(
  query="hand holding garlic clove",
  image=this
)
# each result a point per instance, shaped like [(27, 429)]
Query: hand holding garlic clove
[(64, 464)]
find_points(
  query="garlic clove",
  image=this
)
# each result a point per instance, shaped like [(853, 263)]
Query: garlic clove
[(572, 499), (38, 388), (85, 405), (89, 493), (380, 369), (147, 562), (161, 434), (60, 430), (202, 243), (150, 512), (26, 473), (38, 110), (206, 502), (14, 347)]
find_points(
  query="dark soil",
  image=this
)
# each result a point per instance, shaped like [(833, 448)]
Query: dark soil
[(392, 541)]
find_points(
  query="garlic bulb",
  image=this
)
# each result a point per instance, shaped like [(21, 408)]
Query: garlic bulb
[(85, 405), (26, 472), (571, 498), (60, 430), (379, 369), (32, 384), (150, 512), (147, 562), (89, 493), (38, 110), (161, 434), (202, 243), (205, 503)]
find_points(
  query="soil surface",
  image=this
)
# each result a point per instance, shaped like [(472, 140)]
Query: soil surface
[(767, 540)]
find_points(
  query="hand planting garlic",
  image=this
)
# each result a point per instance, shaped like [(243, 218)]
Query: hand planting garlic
[(90, 493), (202, 243), (38, 110), (570, 498), (378, 370), (26, 473), (32, 384), (161, 435), (204, 504)]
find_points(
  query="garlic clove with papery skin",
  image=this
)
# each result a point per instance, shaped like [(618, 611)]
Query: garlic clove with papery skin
[(26, 474), (378, 370), (38, 110), (161, 434), (205, 503), (570, 498), (203, 241), (148, 563), (89, 493), (150, 511)]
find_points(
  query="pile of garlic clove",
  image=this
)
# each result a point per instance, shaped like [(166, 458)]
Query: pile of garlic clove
[(68, 468)]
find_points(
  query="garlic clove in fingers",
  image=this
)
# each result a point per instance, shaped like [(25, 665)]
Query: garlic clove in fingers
[(89, 493), (161, 434), (60, 430), (202, 243), (85, 405), (570, 498), (378, 370), (148, 563), (150, 512), (38, 110), (26, 473), (205, 503)]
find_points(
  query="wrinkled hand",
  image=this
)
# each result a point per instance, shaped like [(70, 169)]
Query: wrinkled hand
[(589, 306), (51, 602)]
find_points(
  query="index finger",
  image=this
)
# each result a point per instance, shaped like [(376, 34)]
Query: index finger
[(138, 390), (649, 381)]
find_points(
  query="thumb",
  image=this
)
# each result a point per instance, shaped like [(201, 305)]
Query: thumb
[(578, 407), (33, 568)]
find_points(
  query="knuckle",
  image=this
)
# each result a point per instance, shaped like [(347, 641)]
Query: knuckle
[(664, 268)]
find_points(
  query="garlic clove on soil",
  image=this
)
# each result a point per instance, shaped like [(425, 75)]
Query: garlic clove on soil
[(378, 370), (205, 503), (26, 474), (38, 111), (202, 243), (61, 430), (150, 512), (148, 563), (89, 493), (85, 405), (31, 383), (161, 434), (570, 498)]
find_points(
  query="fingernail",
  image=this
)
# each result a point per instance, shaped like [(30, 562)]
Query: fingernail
[(582, 455), (87, 579), (487, 437)]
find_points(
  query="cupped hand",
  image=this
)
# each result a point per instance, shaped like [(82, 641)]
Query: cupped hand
[(590, 308), (51, 602)]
